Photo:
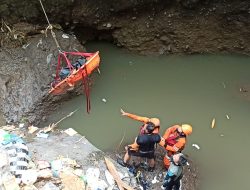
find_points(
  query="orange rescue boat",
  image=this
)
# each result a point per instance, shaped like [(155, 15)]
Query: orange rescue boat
[(60, 86), (69, 76)]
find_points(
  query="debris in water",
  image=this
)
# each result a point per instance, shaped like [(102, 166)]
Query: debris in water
[(104, 100), (213, 123), (227, 117), (99, 71), (243, 89), (221, 135), (196, 146)]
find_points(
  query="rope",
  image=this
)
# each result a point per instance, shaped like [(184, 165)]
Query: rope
[(51, 28), (44, 12), (86, 88)]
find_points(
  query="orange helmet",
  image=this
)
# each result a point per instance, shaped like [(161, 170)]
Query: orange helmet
[(186, 129), (155, 121)]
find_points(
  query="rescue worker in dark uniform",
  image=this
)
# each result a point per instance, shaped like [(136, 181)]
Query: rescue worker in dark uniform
[(175, 172), (143, 147)]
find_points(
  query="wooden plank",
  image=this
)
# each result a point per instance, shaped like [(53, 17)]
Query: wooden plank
[(116, 176)]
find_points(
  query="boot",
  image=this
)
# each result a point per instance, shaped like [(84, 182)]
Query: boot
[(121, 162), (151, 169)]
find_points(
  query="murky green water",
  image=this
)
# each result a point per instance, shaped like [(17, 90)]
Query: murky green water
[(177, 89)]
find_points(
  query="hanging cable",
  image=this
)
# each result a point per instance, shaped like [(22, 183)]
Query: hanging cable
[(86, 88), (85, 79), (51, 28)]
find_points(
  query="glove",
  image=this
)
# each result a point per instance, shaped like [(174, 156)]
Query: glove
[(134, 146), (162, 142)]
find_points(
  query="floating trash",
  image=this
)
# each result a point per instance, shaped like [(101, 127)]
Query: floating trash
[(213, 123), (196, 146), (104, 100)]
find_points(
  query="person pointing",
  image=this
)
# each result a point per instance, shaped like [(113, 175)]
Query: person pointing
[(144, 120)]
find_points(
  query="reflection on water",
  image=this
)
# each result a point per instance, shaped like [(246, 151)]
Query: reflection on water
[(177, 89)]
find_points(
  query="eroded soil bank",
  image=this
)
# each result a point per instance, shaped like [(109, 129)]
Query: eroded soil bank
[(146, 26)]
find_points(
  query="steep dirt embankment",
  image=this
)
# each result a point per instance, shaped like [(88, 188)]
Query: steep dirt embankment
[(26, 73), (208, 28), (144, 26), (147, 26)]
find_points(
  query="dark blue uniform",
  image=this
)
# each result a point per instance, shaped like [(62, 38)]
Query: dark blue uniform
[(146, 144)]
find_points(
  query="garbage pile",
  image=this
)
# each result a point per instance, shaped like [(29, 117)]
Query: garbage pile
[(16, 159), (19, 170)]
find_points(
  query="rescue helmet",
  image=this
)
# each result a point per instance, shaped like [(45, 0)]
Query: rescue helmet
[(150, 127), (155, 121), (186, 129)]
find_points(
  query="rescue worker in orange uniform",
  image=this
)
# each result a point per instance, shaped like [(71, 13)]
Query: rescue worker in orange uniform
[(145, 120), (174, 140)]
